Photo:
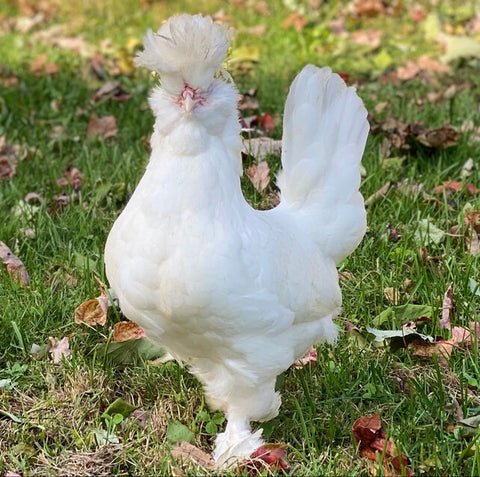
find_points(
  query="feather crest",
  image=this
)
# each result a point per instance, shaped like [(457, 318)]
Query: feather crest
[(186, 50)]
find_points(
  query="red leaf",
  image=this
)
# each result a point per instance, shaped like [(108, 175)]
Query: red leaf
[(370, 437), (272, 456), (266, 120)]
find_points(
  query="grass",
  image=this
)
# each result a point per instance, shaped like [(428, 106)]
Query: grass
[(50, 414)]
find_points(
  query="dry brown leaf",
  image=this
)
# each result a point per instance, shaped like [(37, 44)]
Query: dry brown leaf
[(93, 312), (345, 275), (472, 242), (409, 71), (127, 330), (472, 219), (367, 8), (467, 336), (111, 89), (104, 127), (371, 38), (40, 66), (186, 451), (7, 169), (426, 63), (442, 137), (448, 308), (33, 197), (425, 349), (296, 20), (9, 157), (392, 295), (259, 175), (59, 349), (71, 177), (15, 266), (378, 195), (258, 30)]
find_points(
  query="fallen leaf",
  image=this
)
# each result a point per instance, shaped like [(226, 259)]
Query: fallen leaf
[(119, 406), (448, 308), (467, 168), (472, 219), (472, 242), (59, 349), (442, 349), (258, 30), (9, 157), (417, 14), (33, 197), (142, 417), (184, 451), (371, 38), (367, 8), (373, 445), (455, 186), (93, 312), (15, 267), (380, 194), (104, 127), (459, 47), (61, 201), (111, 89), (337, 26), (345, 275), (423, 64), (27, 232), (40, 66), (71, 177), (267, 123), (468, 335), (130, 352), (7, 168), (309, 359), (178, 432), (272, 457), (402, 314), (442, 137), (427, 233), (393, 235), (259, 175), (296, 20), (392, 295), (127, 330)]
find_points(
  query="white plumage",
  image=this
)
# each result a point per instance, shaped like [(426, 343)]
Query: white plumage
[(235, 293)]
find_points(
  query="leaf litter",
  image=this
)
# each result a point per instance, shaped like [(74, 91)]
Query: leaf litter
[(15, 267), (373, 444), (93, 312)]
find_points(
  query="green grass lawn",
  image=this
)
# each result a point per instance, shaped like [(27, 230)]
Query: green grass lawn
[(52, 418)]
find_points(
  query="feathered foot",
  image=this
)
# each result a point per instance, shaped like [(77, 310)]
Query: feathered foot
[(236, 443)]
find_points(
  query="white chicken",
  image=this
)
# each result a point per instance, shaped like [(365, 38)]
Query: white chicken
[(235, 293)]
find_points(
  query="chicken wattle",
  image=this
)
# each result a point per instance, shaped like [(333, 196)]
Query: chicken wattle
[(235, 293)]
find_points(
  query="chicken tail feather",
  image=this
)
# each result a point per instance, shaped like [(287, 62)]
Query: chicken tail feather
[(324, 134)]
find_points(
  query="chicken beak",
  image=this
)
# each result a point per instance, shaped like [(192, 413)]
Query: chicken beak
[(188, 103), (189, 99)]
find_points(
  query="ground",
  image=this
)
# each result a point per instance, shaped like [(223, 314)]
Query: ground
[(71, 155)]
